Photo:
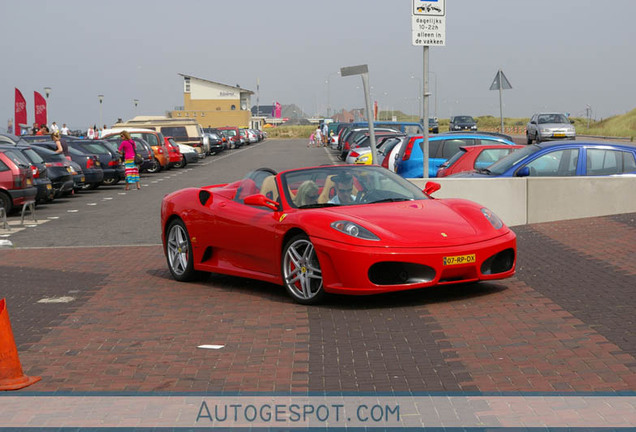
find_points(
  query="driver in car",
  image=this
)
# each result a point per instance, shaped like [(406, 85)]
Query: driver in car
[(343, 183)]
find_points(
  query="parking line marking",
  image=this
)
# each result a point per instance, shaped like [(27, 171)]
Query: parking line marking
[(91, 204), (63, 299), (214, 347), (72, 211)]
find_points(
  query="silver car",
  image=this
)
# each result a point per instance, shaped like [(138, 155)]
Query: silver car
[(549, 126)]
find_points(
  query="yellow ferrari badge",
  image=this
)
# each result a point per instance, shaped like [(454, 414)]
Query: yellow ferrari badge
[(282, 217)]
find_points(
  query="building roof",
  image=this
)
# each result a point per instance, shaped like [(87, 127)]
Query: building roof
[(218, 83)]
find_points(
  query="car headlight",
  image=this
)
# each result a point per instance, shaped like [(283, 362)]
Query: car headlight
[(362, 159), (474, 127), (354, 230), (492, 218)]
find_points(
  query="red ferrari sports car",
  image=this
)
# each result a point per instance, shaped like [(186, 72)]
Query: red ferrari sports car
[(348, 229)]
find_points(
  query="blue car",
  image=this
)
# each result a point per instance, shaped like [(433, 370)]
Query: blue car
[(410, 160), (563, 159)]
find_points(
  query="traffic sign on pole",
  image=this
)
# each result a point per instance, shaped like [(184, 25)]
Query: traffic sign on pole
[(429, 22)]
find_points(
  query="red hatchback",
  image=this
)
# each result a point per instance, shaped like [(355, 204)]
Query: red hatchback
[(16, 179), (175, 158), (472, 158)]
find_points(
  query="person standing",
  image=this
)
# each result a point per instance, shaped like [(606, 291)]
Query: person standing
[(127, 149), (90, 133), (64, 130), (61, 146), (54, 127), (318, 137)]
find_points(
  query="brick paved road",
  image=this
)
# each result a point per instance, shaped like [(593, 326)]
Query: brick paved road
[(564, 322)]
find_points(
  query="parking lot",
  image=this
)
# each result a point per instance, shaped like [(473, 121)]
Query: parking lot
[(116, 321)]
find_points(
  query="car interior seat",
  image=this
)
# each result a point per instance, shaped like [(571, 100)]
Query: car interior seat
[(269, 189), (326, 193)]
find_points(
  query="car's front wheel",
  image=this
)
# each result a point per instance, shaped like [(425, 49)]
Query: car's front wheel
[(301, 271), (179, 253), (537, 138)]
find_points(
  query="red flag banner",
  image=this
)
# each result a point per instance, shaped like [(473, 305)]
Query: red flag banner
[(40, 108), (20, 113), (278, 110), (375, 110)]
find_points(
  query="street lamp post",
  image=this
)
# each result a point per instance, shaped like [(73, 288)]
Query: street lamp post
[(47, 93), (435, 75), (101, 99)]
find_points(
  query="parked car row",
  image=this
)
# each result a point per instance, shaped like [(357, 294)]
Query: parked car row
[(486, 154), (31, 170)]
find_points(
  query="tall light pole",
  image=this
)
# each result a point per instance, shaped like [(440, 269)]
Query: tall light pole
[(419, 95), (47, 93), (100, 97)]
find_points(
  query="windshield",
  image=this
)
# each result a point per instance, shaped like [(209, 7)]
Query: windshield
[(464, 119), (553, 118), (512, 159), (346, 185)]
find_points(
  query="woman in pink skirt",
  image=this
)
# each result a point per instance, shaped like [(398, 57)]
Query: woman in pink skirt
[(127, 149)]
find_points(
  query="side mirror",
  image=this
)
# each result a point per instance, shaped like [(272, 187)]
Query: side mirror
[(523, 172), (431, 187), (533, 122), (261, 201), (571, 121)]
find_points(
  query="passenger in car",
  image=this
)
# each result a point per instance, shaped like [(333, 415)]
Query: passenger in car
[(344, 187), (308, 193)]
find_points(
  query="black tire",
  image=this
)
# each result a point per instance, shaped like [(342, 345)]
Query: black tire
[(301, 272), (6, 203), (182, 163), (528, 139), (537, 139), (179, 253), (155, 167)]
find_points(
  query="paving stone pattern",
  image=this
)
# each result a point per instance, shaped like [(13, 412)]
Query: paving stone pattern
[(563, 323)]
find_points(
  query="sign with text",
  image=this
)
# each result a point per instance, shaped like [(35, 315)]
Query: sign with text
[(429, 30), (429, 7)]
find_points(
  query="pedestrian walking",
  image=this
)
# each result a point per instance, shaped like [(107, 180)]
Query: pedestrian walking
[(127, 149), (311, 140)]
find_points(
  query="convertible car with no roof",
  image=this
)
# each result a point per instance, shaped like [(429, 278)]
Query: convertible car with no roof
[(287, 228)]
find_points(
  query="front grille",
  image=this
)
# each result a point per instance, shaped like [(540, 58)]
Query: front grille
[(400, 273)]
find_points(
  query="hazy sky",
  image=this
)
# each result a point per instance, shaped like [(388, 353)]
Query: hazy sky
[(558, 55)]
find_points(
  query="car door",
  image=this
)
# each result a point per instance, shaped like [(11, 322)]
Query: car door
[(555, 163), (246, 235)]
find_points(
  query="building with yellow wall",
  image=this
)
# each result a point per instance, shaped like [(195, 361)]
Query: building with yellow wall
[(214, 104)]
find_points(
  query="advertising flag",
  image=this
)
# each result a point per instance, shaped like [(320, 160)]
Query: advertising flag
[(375, 110), (20, 112), (278, 109), (40, 108)]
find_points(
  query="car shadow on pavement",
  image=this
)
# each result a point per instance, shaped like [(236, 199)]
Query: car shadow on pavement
[(416, 297)]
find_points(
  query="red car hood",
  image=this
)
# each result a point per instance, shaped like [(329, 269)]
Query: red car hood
[(425, 223)]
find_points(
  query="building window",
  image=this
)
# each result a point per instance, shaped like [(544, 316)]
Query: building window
[(233, 107), (178, 114), (186, 84), (202, 114), (194, 114)]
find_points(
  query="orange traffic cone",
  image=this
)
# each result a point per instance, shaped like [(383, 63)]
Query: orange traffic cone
[(11, 376)]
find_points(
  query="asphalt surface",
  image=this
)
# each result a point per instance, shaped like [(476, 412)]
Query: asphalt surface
[(564, 322)]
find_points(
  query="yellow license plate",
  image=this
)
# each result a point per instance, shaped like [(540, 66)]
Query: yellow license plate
[(29, 182), (559, 135), (83, 178), (49, 187), (459, 259)]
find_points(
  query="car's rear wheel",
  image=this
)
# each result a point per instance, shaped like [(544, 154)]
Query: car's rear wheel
[(301, 271), (5, 202), (537, 138), (528, 139), (155, 167), (181, 163), (179, 253)]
